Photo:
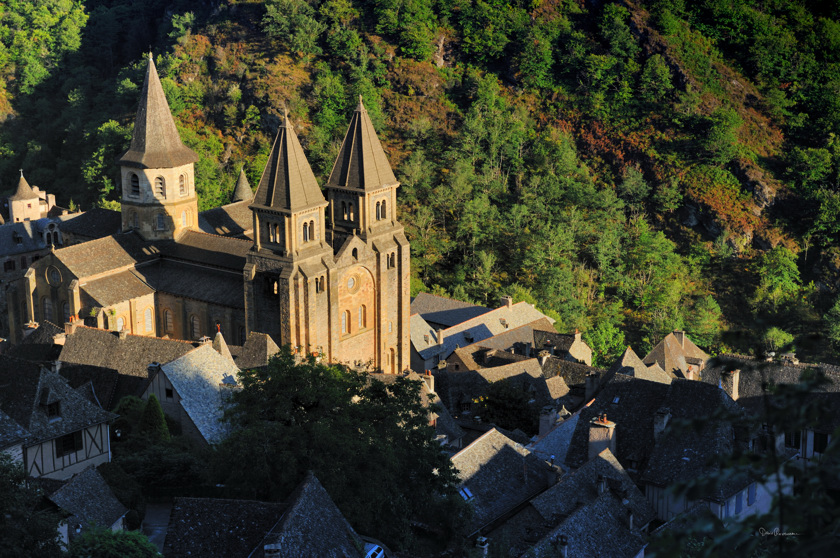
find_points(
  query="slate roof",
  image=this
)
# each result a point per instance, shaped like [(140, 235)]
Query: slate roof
[(287, 183), (11, 433), (221, 347), (234, 219), (475, 357), (550, 338), (155, 142), (258, 348), (38, 346), (197, 377), (207, 249), (361, 162), (756, 379), (630, 364), (94, 223), (557, 441), (108, 385), (113, 289), (242, 191), (23, 237), (519, 339), (89, 500), (479, 328), (312, 526), (446, 312), (214, 527), (573, 373), (500, 474), (25, 388), (671, 354), (105, 254), (130, 356), (23, 191), (183, 279)]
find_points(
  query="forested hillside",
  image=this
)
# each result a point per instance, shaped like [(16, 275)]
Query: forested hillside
[(630, 167)]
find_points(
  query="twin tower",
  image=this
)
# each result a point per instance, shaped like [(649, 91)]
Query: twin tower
[(325, 274)]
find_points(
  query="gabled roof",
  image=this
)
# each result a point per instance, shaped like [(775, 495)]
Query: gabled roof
[(574, 373), (220, 346), (89, 500), (93, 223), (39, 345), (25, 391), (258, 348), (114, 288), (361, 162), (155, 143), (476, 356), (215, 527), (446, 312), (557, 441), (108, 385), (550, 338), (312, 526), (234, 219), (500, 474), (630, 364), (198, 377), (11, 433), (517, 338), (671, 354), (105, 254), (242, 191), (130, 356), (287, 183), (24, 191), (23, 237), (183, 279), (207, 249)]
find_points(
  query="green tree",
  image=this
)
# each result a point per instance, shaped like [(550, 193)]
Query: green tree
[(776, 339), (633, 189), (721, 135), (703, 321), (778, 278), (655, 81), (292, 417), (102, 542), (831, 322), (489, 26), (606, 341), (153, 422), (28, 528)]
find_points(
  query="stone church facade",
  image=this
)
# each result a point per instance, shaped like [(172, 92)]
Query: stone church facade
[(326, 274)]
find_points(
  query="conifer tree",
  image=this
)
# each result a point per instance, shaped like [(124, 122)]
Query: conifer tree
[(153, 421)]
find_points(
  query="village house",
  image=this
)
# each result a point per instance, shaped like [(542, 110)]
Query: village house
[(630, 364), (678, 356), (66, 432)]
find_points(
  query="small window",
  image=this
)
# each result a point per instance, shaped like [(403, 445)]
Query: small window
[(615, 400), (65, 311), (390, 327), (322, 282), (148, 319), (355, 253), (169, 393), (344, 210), (168, 321), (345, 322), (47, 307), (465, 493), (793, 439), (135, 185), (306, 232), (362, 316), (820, 442), (751, 494), (384, 213), (9, 265), (71, 443), (312, 230), (739, 504), (352, 212), (29, 206), (378, 211), (195, 327), (160, 187), (182, 184), (54, 410)]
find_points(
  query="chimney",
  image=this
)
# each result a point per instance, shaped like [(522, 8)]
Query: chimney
[(730, 381), (70, 326), (601, 436), (562, 544), (591, 386), (680, 335), (204, 340), (507, 301), (481, 542), (660, 421), (430, 380), (602, 484), (122, 333), (439, 333), (577, 335), (548, 418), (153, 369)]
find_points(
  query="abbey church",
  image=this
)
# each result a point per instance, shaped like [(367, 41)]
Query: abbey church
[(321, 273)]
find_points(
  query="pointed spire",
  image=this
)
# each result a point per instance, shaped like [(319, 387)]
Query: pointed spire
[(220, 345), (155, 143), (287, 182), (243, 191), (362, 162), (24, 191)]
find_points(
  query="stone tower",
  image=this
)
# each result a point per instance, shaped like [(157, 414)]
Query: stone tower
[(285, 271), (158, 178), (24, 204)]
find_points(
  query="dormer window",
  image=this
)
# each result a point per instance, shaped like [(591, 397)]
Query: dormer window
[(54, 411)]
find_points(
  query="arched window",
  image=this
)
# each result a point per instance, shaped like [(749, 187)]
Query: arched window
[(362, 316), (344, 210), (47, 309), (378, 210), (393, 361), (321, 280), (182, 184), (168, 321), (65, 311), (135, 185), (384, 213), (306, 232), (120, 324), (49, 238), (147, 315), (345, 322), (355, 253), (312, 230), (393, 259), (352, 212), (160, 187), (195, 327), (183, 218), (161, 222)]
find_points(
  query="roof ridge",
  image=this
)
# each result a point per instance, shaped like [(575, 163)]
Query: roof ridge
[(187, 231), (135, 335)]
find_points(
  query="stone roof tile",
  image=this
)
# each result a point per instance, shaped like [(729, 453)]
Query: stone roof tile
[(442, 311), (234, 219), (89, 500)]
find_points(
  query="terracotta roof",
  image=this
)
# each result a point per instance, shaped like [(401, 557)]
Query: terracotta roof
[(287, 183), (155, 143), (312, 526), (258, 348), (361, 162), (105, 254), (207, 249), (500, 474), (94, 223), (234, 219), (26, 390), (243, 191), (671, 354), (89, 500), (130, 356), (198, 378), (214, 527), (446, 312), (112, 289), (24, 191), (630, 364)]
